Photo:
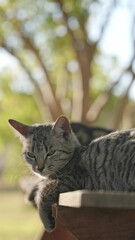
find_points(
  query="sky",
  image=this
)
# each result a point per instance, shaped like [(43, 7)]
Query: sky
[(117, 39)]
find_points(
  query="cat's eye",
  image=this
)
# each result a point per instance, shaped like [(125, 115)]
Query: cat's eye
[(51, 153), (30, 154)]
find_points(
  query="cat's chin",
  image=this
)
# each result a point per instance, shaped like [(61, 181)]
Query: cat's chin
[(39, 175), (45, 174)]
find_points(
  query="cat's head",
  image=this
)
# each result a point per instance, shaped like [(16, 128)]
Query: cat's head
[(47, 148)]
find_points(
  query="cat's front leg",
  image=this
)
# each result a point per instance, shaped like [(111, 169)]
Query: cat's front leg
[(47, 196)]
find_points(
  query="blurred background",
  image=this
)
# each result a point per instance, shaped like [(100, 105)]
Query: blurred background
[(74, 57)]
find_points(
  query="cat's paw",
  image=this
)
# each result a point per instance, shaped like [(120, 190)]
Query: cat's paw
[(47, 219), (50, 225)]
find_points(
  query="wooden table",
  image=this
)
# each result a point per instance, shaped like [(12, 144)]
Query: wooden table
[(86, 215)]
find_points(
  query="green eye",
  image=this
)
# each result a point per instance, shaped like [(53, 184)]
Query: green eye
[(51, 153), (30, 154)]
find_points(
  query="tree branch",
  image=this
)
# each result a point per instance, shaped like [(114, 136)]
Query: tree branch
[(43, 99), (101, 101), (48, 85), (79, 46), (99, 104), (47, 90), (122, 105), (85, 54), (39, 97), (130, 69)]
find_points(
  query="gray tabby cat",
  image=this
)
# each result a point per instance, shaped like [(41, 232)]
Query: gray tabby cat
[(85, 135), (53, 152)]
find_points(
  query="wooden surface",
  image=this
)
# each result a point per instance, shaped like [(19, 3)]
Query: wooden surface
[(85, 198), (86, 215), (60, 233)]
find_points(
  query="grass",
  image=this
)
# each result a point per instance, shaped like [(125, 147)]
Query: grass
[(18, 221)]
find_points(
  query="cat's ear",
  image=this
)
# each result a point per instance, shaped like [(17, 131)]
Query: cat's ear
[(21, 129), (62, 127)]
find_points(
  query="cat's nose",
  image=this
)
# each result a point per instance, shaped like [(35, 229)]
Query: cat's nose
[(40, 169)]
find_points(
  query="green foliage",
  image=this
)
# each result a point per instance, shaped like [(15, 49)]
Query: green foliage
[(22, 107), (19, 106)]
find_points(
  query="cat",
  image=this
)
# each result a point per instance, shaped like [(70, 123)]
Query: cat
[(86, 134), (54, 153)]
